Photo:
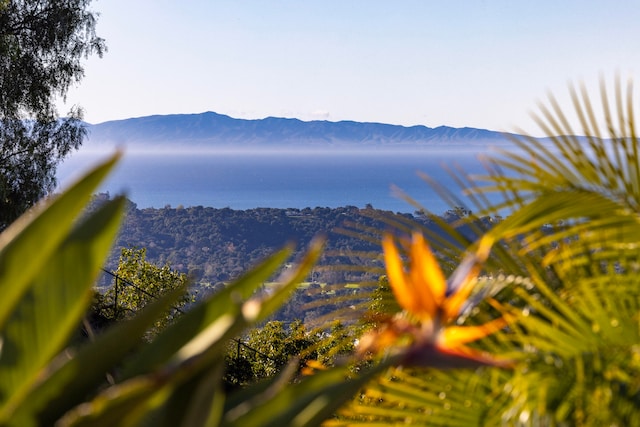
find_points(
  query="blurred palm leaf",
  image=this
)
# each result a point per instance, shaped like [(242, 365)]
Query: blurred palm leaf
[(564, 265), (49, 265)]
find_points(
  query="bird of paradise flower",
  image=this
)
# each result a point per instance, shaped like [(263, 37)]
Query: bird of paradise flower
[(432, 304)]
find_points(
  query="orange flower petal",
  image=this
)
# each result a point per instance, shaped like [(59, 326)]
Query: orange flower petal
[(428, 280), (399, 282), (388, 335), (454, 336)]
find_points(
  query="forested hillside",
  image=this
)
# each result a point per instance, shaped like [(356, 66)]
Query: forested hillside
[(216, 245)]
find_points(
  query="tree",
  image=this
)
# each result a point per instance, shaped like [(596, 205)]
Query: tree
[(137, 284), (42, 45), (267, 350)]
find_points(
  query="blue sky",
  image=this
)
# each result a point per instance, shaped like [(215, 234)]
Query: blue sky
[(459, 63)]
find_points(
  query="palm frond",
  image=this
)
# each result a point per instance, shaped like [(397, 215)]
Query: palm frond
[(563, 266)]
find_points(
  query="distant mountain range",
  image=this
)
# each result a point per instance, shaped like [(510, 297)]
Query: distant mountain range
[(212, 130)]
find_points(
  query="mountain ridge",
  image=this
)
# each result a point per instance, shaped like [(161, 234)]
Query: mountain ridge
[(210, 129)]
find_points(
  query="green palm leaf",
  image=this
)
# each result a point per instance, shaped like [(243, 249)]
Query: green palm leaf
[(571, 235), (23, 246)]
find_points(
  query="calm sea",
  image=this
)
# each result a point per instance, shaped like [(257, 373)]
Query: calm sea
[(281, 180)]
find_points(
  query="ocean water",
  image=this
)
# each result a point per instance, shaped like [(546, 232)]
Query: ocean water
[(281, 180)]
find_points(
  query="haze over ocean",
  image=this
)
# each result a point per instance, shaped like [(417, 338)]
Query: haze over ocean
[(273, 180)]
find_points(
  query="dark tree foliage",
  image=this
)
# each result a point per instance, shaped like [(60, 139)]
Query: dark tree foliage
[(42, 45), (214, 246)]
